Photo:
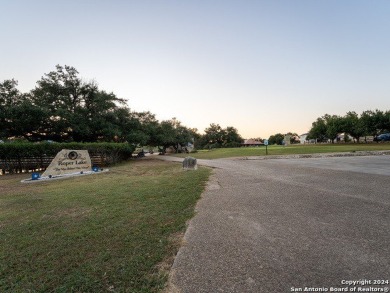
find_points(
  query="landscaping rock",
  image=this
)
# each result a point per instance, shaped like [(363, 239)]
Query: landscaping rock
[(190, 163)]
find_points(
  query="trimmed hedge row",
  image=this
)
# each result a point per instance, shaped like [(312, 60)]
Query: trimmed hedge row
[(18, 157)]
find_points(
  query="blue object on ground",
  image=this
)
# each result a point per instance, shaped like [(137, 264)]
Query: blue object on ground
[(35, 176)]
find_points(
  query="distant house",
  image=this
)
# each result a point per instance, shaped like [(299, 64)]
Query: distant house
[(251, 143), (366, 139), (341, 137), (303, 138)]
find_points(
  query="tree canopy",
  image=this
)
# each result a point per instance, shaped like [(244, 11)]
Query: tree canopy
[(216, 137), (276, 139), (64, 108)]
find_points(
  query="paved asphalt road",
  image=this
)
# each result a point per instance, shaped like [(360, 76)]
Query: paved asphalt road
[(284, 224)]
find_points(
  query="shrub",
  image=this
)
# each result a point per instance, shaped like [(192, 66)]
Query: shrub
[(215, 146), (232, 145)]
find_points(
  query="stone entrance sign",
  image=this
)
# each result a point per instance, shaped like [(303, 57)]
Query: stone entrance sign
[(69, 162)]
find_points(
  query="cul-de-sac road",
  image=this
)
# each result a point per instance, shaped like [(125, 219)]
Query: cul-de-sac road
[(285, 224)]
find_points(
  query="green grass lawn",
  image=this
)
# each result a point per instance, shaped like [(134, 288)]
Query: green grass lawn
[(288, 150), (113, 232)]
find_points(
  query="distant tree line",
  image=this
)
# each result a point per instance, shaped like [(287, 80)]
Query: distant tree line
[(64, 108), (353, 126), (278, 138), (369, 123)]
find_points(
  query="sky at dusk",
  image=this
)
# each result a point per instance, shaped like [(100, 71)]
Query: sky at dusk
[(261, 66)]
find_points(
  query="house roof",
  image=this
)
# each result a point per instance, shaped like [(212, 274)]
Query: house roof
[(251, 141)]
